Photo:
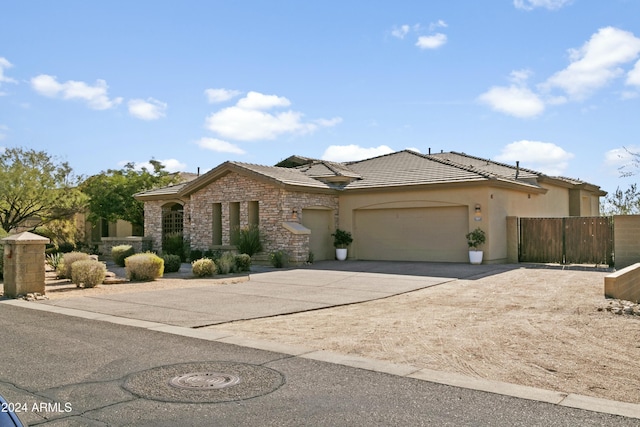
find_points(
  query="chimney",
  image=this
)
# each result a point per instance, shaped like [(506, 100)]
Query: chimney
[(517, 168), (198, 170)]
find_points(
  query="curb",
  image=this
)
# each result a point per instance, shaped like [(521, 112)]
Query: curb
[(569, 400)]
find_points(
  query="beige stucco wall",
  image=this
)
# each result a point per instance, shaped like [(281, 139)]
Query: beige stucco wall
[(496, 204)]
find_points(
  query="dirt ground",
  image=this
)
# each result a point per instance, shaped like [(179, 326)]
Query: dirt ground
[(543, 328), (535, 327)]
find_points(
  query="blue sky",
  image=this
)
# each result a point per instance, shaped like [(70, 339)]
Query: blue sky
[(554, 84)]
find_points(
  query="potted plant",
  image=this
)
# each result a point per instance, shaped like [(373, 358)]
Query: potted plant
[(474, 239), (341, 239)]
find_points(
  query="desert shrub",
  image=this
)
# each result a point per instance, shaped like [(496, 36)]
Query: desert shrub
[(88, 273), (226, 263), (173, 244), (242, 262), (144, 266), (54, 260), (203, 267), (120, 252), (249, 240), (310, 258), (279, 259), (195, 254), (213, 254), (171, 263), (68, 259)]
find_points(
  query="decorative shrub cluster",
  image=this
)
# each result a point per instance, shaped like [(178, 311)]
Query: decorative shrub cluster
[(279, 259), (243, 262), (171, 263), (203, 267), (68, 259), (225, 263), (249, 240), (88, 273), (120, 252), (144, 266)]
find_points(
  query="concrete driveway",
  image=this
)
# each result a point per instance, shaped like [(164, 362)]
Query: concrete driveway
[(271, 292)]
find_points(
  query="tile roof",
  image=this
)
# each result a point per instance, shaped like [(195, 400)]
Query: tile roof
[(399, 169)]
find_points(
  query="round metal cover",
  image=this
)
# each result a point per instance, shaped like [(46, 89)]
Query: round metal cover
[(204, 381)]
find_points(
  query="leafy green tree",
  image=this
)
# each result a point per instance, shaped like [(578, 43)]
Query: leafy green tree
[(34, 187), (111, 192)]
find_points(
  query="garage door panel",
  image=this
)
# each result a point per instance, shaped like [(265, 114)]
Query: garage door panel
[(412, 234)]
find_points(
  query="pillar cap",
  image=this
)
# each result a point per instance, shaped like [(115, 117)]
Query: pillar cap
[(26, 238)]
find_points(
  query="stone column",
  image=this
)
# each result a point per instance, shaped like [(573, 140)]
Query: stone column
[(24, 264)]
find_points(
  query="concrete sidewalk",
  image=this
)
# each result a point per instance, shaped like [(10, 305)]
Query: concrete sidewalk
[(276, 292)]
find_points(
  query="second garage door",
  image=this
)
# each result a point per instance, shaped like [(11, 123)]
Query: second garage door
[(413, 234)]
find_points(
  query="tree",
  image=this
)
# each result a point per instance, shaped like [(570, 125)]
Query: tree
[(111, 192), (622, 202), (34, 186)]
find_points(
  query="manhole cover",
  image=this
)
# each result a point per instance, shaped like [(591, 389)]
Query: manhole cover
[(204, 382)]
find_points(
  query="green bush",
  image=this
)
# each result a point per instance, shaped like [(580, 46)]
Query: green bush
[(66, 247), (88, 273), (226, 263), (249, 240), (203, 267), (144, 267), (195, 254), (173, 244), (279, 259), (120, 252), (171, 263), (243, 262), (68, 259)]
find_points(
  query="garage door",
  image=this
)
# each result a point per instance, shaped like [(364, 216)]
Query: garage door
[(412, 234), (320, 222)]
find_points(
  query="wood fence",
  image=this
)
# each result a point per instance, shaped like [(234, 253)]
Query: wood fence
[(570, 240)]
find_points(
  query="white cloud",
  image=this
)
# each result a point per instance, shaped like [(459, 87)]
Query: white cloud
[(219, 146), (400, 32), (435, 25), (633, 78), (220, 95), (544, 157), (547, 4), (517, 101), (431, 42), (248, 120), (95, 96), (151, 109), (346, 153), (622, 160), (170, 165), (596, 63), (5, 64)]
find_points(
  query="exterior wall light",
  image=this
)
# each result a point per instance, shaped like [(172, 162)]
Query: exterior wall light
[(478, 213)]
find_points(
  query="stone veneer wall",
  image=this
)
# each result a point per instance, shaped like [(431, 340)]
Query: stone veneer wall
[(275, 207)]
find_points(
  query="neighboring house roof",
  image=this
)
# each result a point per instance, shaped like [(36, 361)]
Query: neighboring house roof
[(399, 169)]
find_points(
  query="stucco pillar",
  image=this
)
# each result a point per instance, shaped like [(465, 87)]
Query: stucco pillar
[(24, 264)]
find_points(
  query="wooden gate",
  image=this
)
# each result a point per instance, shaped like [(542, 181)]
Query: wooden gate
[(570, 240)]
